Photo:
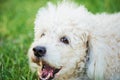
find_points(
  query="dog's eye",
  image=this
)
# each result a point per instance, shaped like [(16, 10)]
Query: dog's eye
[(64, 40), (43, 34)]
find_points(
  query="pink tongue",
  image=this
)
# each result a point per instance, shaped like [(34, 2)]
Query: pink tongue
[(47, 71)]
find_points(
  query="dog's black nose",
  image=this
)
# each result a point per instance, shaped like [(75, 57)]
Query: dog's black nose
[(39, 51)]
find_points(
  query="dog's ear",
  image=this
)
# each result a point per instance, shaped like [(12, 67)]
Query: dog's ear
[(97, 53), (84, 57), (85, 37), (86, 40), (87, 43)]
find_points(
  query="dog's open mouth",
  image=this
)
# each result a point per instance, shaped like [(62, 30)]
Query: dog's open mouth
[(48, 72)]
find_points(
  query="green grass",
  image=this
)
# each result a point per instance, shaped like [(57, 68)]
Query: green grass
[(16, 33)]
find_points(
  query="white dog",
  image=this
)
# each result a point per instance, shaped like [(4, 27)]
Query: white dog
[(73, 44)]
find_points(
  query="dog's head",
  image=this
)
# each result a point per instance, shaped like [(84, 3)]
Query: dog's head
[(60, 45)]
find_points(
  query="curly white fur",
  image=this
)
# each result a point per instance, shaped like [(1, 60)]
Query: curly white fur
[(101, 32)]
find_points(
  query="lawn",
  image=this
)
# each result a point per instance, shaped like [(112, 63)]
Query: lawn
[(16, 32)]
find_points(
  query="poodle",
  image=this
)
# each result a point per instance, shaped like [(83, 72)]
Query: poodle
[(71, 43)]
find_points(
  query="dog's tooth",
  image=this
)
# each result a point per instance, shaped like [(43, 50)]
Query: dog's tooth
[(48, 76), (43, 79)]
